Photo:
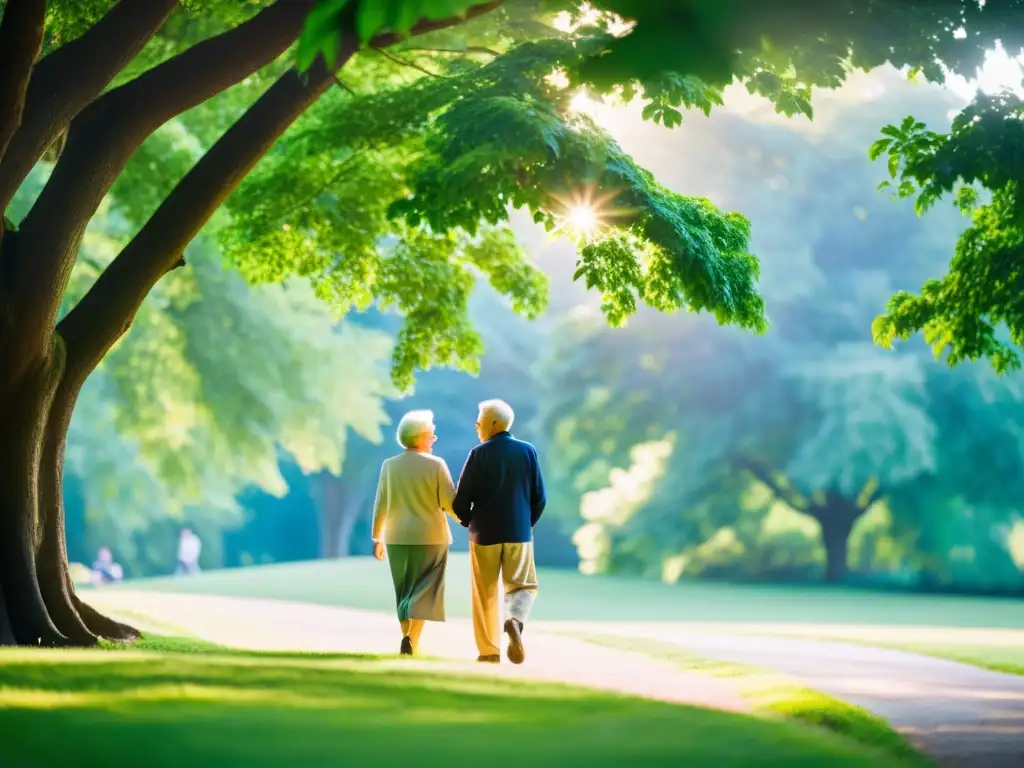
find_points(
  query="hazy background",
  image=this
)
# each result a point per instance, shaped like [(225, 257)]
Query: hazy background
[(653, 435)]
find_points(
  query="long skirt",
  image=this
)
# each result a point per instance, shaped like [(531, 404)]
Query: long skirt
[(418, 572)]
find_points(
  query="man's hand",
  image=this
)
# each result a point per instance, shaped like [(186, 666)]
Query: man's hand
[(378, 550)]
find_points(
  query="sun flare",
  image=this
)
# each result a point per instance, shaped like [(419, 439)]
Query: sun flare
[(582, 218)]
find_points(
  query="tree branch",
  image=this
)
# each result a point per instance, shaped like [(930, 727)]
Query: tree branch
[(21, 40), (423, 27), (403, 63), (456, 51), (107, 309), (330, 182), (67, 80), (790, 497), (105, 312), (107, 133)]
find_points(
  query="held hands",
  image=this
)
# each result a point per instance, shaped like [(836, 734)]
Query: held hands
[(378, 550)]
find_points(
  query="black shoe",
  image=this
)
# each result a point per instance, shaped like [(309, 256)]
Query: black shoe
[(489, 659), (514, 630), (406, 646)]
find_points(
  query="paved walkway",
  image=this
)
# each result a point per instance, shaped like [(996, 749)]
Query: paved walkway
[(963, 716), (959, 714), (270, 625)]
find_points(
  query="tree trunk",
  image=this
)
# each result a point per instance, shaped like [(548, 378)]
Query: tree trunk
[(23, 425), (836, 518), (38, 605), (327, 492), (338, 512), (349, 518)]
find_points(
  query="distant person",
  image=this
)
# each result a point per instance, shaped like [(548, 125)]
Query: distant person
[(500, 498), (413, 496), (104, 569), (189, 548)]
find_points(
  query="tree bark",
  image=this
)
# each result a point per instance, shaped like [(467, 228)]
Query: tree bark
[(71, 77), (23, 423), (21, 39), (52, 564), (38, 605)]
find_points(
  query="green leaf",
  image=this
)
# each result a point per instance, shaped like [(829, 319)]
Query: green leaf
[(373, 17), (321, 33), (894, 165), (878, 148)]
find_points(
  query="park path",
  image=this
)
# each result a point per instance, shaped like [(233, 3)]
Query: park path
[(270, 625), (958, 714), (962, 716)]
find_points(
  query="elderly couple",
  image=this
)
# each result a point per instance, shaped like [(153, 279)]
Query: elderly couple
[(500, 497)]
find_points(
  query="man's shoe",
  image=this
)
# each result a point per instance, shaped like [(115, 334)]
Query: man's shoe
[(514, 630), (489, 659), (406, 646)]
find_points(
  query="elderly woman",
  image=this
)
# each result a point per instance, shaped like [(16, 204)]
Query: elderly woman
[(415, 492)]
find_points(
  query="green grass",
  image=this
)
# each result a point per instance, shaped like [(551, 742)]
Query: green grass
[(998, 658), (173, 702), (569, 596), (775, 695)]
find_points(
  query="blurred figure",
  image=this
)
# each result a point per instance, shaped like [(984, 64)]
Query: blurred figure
[(189, 549), (500, 498), (105, 570), (415, 492)]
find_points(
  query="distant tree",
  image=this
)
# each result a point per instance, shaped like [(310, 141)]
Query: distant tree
[(660, 429)]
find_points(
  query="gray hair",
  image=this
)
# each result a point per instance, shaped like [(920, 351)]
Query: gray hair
[(498, 412), (412, 425)]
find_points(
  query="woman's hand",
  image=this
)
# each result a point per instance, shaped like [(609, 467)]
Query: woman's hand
[(378, 550)]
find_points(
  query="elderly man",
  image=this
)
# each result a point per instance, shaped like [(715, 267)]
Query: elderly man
[(500, 497)]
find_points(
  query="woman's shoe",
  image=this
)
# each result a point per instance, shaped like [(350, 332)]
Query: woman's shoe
[(489, 659), (406, 649)]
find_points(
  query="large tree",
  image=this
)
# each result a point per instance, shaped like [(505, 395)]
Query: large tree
[(482, 138), (171, 427)]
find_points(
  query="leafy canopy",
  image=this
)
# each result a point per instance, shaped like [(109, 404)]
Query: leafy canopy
[(402, 195), (677, 54)]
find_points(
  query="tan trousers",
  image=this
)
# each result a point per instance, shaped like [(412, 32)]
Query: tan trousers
[(514, 564)]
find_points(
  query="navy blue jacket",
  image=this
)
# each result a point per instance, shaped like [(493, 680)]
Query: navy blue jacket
[(501, 491)]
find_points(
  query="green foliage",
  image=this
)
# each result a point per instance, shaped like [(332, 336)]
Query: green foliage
[(817, 410), (963, 314), (360, 205), (682, 54)]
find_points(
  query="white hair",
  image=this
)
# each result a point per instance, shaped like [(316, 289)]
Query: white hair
[(498, 412), (412, 426)]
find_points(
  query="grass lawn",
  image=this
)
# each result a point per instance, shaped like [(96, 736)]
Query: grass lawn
[(176, 702), (775, 695), (569, 596)]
